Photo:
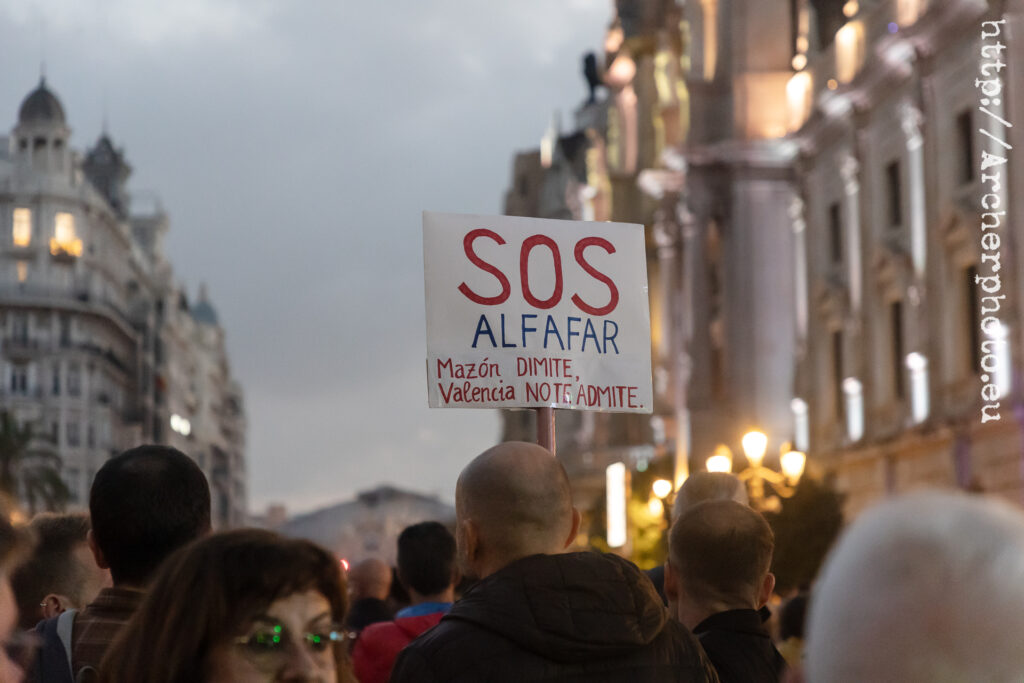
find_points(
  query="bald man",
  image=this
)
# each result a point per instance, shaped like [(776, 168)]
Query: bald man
[(540, 613), (369, 583)]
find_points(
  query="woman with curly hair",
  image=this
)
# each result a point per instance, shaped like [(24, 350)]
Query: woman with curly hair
[(238, 607)]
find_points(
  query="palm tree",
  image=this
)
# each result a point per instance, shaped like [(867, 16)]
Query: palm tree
[(28, 472)]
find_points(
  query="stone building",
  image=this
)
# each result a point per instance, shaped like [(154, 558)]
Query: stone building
[(99, 347), (810, 175), (900, 382), (367, 526)]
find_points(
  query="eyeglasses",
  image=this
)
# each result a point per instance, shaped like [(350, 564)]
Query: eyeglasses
[(270, 643)]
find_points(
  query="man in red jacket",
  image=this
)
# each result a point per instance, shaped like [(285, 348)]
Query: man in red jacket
[(426, 567)]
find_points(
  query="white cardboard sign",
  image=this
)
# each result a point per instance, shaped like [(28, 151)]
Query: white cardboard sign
[(529, 312)]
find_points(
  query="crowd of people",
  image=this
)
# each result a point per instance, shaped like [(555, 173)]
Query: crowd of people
[(919, 589)]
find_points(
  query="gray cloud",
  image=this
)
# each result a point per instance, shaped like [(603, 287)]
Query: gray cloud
[(295, 144)]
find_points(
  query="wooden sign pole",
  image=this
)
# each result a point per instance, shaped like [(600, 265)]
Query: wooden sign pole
[(546, 428)]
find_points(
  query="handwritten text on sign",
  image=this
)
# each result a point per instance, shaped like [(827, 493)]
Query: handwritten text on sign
[(527, 312)]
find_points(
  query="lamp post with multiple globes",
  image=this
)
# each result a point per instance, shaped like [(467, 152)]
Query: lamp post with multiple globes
[(756, 475)]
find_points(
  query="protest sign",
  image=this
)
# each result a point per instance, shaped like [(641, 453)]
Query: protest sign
[(527, 312)]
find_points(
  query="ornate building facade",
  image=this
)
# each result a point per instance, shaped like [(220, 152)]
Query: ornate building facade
[(100, 349), (810, 173)]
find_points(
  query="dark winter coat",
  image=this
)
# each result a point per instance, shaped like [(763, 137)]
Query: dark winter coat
[(571, 618), (740, 648)]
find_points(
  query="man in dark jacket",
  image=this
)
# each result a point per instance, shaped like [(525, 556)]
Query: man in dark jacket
[(717, 577), (539, 613)]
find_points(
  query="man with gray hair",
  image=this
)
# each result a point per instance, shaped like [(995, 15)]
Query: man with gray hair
[(540, 613), (922, 589)]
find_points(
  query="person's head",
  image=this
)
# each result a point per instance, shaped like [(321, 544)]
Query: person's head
[(720, 552), (15, 546), (369, 578), (511, 501), (426, 561), (146, 503), (61, 573), (923, 588), (245, 606), (703, 486)]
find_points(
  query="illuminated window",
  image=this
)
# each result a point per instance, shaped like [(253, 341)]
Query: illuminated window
[(22, 268), (854, 392), (801, 424), (64, 239), (996, 359), (849, 51), (909, 11), (800, 97), (21, 233), (615, 505), (917, 364)]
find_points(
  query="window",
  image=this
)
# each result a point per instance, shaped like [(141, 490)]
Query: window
[(917, 364), (74, 381), (837, 374), (71, 476), (854, 391), (835, 233), (19, 380), (56, 380), (21, 232), (896, 322), (72, 434), (19, 327), (90, 436), (965, 136), (894, 194), (973, 319), (64, 238)]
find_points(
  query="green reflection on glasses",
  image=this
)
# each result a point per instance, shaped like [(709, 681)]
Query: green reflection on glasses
[(273, 640)]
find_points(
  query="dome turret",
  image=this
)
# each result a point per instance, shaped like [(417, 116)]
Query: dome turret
[(41, 106)]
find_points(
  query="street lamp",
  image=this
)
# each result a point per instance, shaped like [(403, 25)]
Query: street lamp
[(755, 444)]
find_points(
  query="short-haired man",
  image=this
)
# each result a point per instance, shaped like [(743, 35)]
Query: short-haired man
[(144, 504), (539, 612), (426, 567), (923, 588), (62, 573), (698, 487), (718, 577)]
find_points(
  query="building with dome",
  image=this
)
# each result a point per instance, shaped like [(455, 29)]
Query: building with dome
[(100, 347)]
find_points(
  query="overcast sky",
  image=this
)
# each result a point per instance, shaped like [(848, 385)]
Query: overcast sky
[(294, 144)]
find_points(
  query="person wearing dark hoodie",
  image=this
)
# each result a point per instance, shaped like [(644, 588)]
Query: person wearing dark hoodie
[(426, 568), (538, 612), (718, 578)]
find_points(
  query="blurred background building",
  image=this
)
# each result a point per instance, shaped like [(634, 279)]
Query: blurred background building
[(808, 173), (100, 348), (365, 527)]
